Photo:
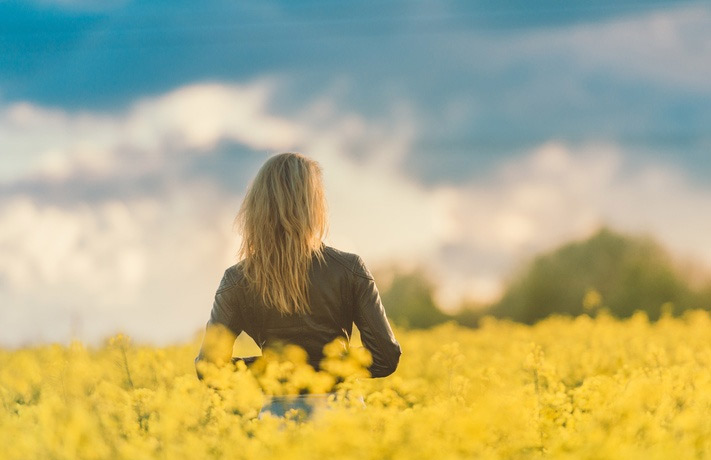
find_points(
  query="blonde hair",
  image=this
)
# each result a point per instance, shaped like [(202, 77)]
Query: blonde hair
[(283, 220)]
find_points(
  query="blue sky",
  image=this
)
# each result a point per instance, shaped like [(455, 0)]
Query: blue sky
[(488, 78), (496, 129)]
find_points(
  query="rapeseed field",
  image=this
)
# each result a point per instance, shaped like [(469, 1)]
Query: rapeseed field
[(573, 388)]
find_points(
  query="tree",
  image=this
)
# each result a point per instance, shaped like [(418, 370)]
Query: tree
[(629, 273), (409, 301)]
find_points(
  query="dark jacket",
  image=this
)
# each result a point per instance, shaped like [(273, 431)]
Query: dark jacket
[(342, 292)]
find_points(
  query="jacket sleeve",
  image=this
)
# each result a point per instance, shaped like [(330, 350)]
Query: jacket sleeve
[(221, 330), (369, 316)]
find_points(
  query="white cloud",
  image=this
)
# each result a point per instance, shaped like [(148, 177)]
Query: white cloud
[(132, 260), (149, 263), (53, 144), (375, 209), (199, 116), (129, 257), (557, 193), (667, 47), (670, 46)]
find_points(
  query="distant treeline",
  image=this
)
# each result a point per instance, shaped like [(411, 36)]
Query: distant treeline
[(612, 271)]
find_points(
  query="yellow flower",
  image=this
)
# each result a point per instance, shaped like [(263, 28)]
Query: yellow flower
[(592, 300), (563, 388)]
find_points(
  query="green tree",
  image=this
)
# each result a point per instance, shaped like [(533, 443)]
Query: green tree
[(629, 273), (409, 301)]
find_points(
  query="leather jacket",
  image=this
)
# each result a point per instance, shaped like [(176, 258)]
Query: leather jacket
[(342, 292)]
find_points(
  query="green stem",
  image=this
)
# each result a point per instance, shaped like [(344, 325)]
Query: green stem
[(125, 365)]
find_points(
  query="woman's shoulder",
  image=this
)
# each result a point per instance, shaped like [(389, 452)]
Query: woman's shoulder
[(351, 261), (233, 277)]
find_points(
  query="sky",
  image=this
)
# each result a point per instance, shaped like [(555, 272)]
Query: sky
[(462, 137)]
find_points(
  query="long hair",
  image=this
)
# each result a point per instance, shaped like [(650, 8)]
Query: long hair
[(283, 220)]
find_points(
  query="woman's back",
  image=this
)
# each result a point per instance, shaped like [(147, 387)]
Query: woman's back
[(341, 293), (289, 288)]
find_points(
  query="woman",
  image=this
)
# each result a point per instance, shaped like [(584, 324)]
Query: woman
[(290, 288)]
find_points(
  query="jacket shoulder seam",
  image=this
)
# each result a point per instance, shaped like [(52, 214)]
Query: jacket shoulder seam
[(352, 262), (231, 279), (360, 270)]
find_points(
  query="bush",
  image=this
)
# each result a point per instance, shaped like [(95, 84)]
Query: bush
[(629, 273)]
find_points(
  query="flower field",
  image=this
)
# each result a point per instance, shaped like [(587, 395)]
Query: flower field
[(564, 388)]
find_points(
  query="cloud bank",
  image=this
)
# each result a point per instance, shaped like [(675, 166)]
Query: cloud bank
[(146, 260)]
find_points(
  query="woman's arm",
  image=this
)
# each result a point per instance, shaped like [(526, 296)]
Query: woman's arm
[(221, 330), (375, 332)]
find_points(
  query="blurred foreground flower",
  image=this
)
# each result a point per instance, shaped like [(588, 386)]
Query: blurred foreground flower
[(564, 388)]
